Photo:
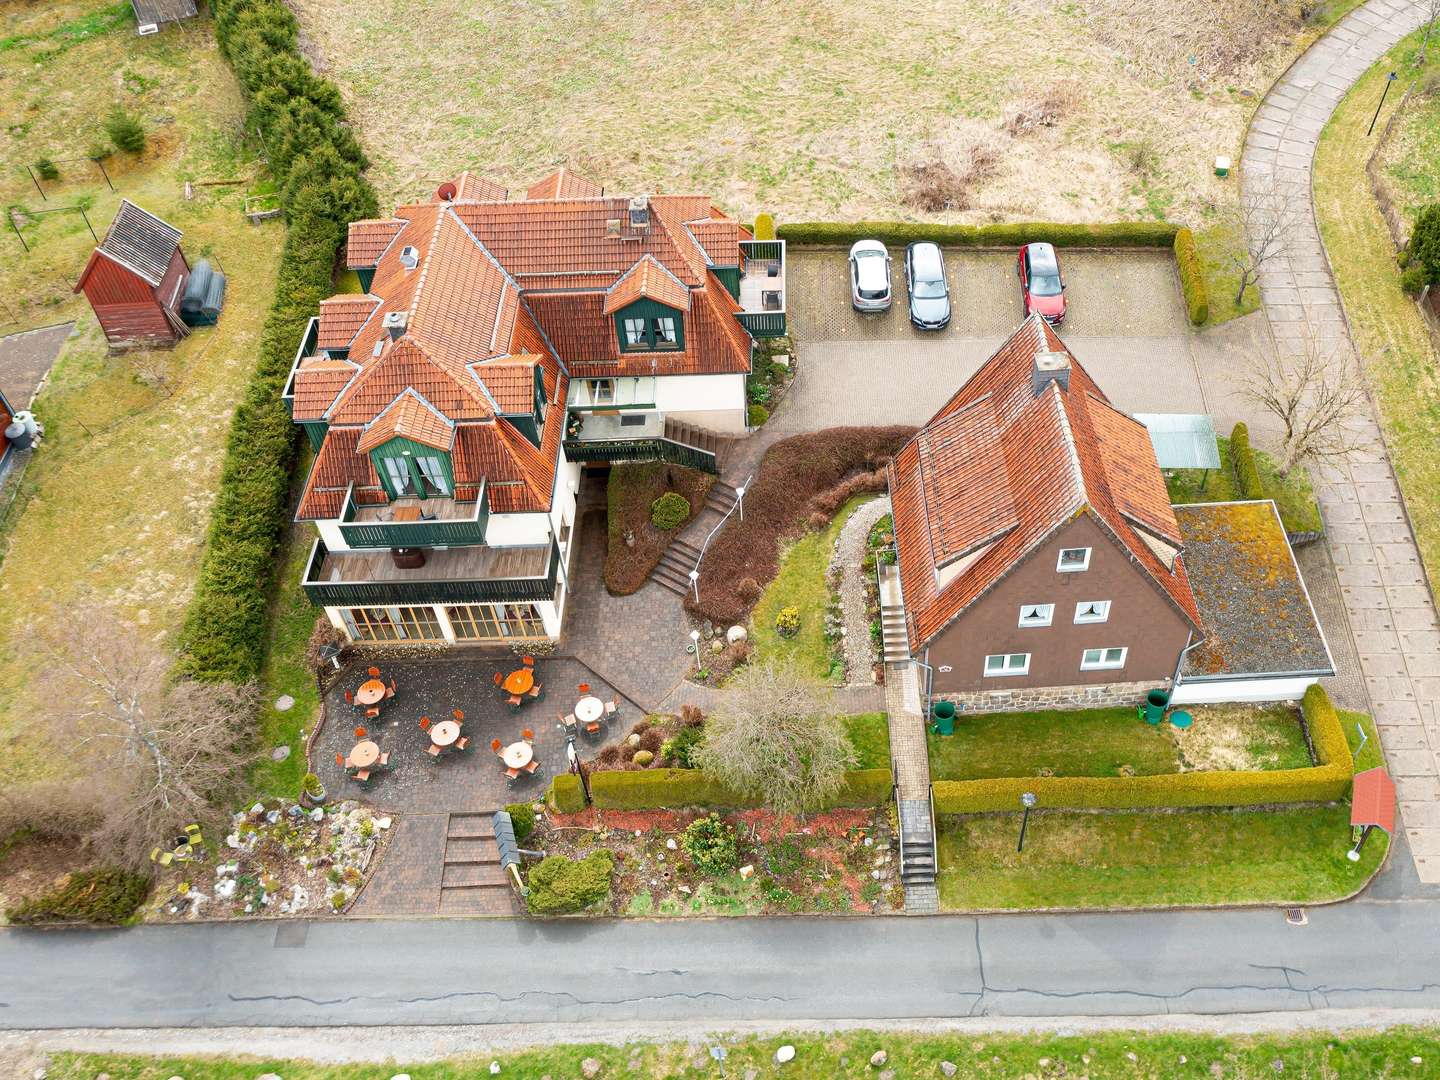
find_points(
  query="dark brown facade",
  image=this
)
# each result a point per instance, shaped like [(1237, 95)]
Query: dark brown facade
[(1142, 619), (131, 310)]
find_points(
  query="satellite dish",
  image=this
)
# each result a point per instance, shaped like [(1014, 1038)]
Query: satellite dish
[(446, 192)]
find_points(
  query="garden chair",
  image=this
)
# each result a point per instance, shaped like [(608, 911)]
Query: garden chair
[(537, 692), (459, 716), (342, 761), (495, 745), (360, 733), (193, 837), (161, 858), (592, 727), (513, 701), (584, 688), (433, 751), (612, 707), (372, 712), (512, 775), (530, 769), (374, 672), (350, 698), (528, 735), (462, 742), (391, 690), (362, 775), (424, 723), (528, 661), (499, 678), (569, 720)]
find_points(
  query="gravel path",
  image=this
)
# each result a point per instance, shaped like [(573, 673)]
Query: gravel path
[(849, 552)]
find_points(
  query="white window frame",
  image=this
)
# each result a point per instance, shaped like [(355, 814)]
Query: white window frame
[(602, 391), (1006, 668), (1060, 566), (634, 332), (1103, 605), (1104, 663), (433, 473), (666, 336), (1045, 616)]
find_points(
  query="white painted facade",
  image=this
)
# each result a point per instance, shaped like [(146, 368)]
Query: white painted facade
[(713, 402), (1217, 691)]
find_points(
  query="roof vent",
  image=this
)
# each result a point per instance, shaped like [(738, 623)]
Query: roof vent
[(612, 226), (639, 213), (1050, 367), (395, 323), (409, 257)]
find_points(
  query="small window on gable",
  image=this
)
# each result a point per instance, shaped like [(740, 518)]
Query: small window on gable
[(1073, 560), (665, 337), (1036, 614), (1092, 611)]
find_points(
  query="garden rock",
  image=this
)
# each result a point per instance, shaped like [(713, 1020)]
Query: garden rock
[(888, 1074), (225, 889), (878, 1058), (785, 1053), (400, 1076), (746, 872), (589, 1068), (948, 1068), (268, 1076), (494, 1068), (670, 844), (736, 634), (284, 703), (280, 753), (717, 646), (383, 822)]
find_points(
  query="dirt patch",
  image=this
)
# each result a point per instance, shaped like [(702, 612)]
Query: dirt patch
[(33, 867), (1240, 737)]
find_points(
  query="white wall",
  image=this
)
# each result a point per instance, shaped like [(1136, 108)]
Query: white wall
[(1221, 690), (714, 402)]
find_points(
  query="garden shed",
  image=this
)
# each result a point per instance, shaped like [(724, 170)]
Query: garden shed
[(151, 15), (135, 280)]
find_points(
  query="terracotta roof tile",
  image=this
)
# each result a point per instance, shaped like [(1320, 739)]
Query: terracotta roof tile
[(405, 365), (719, 238), (647, 279), (341, 317), (967, 488), (563, 184), (1132, 470), (469, 187), (317, 382), (336, 467), (366, 241), (510, 380), (408, 417)]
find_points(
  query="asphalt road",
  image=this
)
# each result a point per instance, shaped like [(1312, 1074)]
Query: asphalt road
[(1370, 954)]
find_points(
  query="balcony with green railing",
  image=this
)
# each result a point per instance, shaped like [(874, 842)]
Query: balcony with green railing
[(452, 576), (762, 288), (414, 522)]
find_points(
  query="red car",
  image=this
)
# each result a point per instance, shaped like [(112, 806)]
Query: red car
[(1041, 285)]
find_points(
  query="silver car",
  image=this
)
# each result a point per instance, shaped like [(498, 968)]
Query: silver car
[(870, 276)]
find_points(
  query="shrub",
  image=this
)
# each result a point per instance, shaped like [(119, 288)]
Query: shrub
[(1425, 242), (679, 749), (1412, 280), (1242, 462), (47, 169), (310, 784), (1118, 234), (125, 131), (1192, 278), (651, 789), (522, 816), (566, 796), (559, 885), (748, 589), (106, 895), (710, 843), (644, 758), (764, 226), (669, 511), (787, 622), (756, 415)]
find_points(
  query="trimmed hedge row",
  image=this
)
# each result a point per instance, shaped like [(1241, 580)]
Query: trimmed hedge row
[(318, 166), (1327, 782), (1244, 465), (1192, 277), (652, 789), (1117, 234)]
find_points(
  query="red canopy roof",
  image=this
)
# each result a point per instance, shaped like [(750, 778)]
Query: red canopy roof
[(1373, 802)]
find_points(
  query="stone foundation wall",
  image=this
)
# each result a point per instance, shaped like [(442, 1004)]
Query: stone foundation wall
[(1028, 698)]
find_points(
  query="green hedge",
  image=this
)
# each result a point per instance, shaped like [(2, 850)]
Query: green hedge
[(1117, 234), (1328, 781), (565, 795), (559, 886), (106, 895), (1243, 464), (651, 789), (318, 166), (1192, 277)]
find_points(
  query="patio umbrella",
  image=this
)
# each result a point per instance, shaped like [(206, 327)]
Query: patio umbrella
[(1372, 805)]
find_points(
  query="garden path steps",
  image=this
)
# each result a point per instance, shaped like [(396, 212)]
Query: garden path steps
[(911, 760), (439, 864), (673, 570), (1389, 607)]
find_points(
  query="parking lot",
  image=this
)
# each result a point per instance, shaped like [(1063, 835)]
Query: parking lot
[(1126, 323)]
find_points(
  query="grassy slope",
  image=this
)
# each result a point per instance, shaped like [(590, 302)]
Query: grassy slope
[(801, 583), (1294, 495), (1150, 858), (1389, 332), (1099, 1055), (115, 503)]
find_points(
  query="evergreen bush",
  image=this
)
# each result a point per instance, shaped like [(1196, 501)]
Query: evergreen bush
[(559, 886), (125, 131), (710, 843), (522, 817), (669, 511), (1192, 277), (105, 895)]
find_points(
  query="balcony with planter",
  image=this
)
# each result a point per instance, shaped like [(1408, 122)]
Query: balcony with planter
[(762, 288), (476, 574), (414, 522)]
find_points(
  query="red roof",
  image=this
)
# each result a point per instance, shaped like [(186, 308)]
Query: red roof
[(341, 317), (647, 279), (1373, 800), (367, 241), (1005, 466), (563, 184)]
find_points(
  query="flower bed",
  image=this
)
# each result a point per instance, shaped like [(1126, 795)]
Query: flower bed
[(841, 861)]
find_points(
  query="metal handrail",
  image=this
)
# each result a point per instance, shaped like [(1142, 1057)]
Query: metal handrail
[(740, 504)]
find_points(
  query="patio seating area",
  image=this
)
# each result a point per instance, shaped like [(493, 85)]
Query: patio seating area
[(456, 735)]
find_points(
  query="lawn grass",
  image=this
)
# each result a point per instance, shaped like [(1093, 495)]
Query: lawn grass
[(113, 508), (870, 737), (1391, 336), (801, 583), (1294, 496), (1078, 742), (1410, 159), (1215, 244), (846, 1056)]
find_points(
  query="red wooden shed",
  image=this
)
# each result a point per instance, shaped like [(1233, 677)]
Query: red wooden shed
[(135, 279)]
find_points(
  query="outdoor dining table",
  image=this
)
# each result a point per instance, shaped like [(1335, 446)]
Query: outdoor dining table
[(444, 733), (371, 692), (517, 755), (519, 682), (365, 754), (589, 709)]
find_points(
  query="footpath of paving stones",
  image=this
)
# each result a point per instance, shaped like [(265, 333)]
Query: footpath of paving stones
[(1391, 612)]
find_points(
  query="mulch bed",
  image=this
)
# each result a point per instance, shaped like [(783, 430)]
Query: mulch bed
[(841, 861), (631, 491)]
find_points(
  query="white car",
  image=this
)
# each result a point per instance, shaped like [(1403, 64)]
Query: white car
[(870, 276)]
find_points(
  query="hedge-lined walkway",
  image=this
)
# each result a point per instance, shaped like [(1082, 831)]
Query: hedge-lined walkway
[(1390, 610)]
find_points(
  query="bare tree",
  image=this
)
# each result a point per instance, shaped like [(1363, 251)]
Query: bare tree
[(158, 755), (152, 368), (775, 735), (1316, 393), (1263, 220), (1431, 8)]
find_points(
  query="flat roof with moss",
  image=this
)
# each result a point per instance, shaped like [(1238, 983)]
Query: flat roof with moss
[(1256, 612)]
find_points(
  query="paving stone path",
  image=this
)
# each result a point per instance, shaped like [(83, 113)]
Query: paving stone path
[(1391, 612)]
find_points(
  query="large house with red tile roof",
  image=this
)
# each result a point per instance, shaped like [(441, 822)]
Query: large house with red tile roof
[(1041, 564), (500, 345)]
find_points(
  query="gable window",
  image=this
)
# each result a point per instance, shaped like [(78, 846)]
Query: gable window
[(1036, 614), (408, 468), (648, 326), (398, 473), (432, 476), (1099, 659), (1016, 663), (602, 391), (1092, 611), (634, 333), (664, 332), (1073, 560)]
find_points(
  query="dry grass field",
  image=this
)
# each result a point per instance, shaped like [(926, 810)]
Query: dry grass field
[(1070, 110)]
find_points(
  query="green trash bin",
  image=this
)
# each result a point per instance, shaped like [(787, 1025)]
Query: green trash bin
[(943, 715), (1155, 703)]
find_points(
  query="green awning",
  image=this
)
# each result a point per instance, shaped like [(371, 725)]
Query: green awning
[(1182, 440)]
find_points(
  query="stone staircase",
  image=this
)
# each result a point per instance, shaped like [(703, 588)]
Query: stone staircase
[(673, 570), (701, 439), (911, 760), (894, 640), (472, 882), (917, 830)]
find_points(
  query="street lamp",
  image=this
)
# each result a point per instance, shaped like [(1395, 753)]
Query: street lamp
[(576, 765), (1027, 801), (695, 644), (1388, 80)]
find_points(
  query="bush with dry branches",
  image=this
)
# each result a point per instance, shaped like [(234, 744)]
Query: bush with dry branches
[(934, 185), (1043, 110), (1316, 393)]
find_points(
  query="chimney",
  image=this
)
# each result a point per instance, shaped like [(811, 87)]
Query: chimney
[(1050, 366), (639, 214), (395, 323)]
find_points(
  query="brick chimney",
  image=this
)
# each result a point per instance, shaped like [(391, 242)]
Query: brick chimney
[(1050, 367)]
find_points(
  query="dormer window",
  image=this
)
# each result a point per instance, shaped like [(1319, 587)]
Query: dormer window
[(634, 333), (648, 326), (664, 334)]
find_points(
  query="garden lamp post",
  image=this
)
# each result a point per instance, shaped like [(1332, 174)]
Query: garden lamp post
[(576, 765), (740, 501), (1388, 80), (695, 584), (695, 644), (1027, 801)]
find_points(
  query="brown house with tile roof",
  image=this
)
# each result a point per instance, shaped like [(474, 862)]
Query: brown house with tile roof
[(497, 348)]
